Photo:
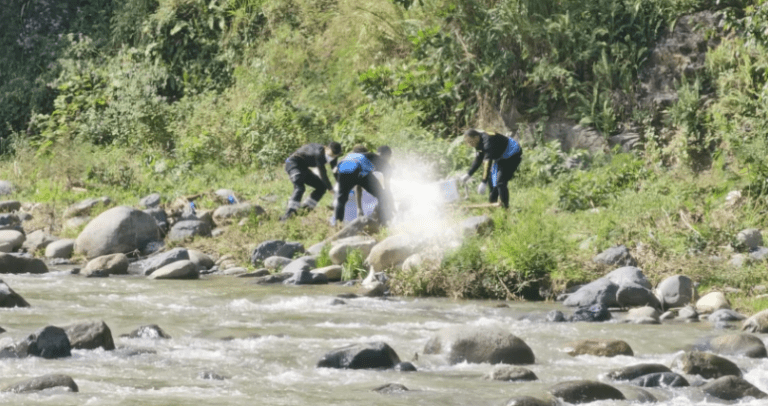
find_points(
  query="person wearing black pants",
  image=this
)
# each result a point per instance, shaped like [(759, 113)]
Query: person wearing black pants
[(500, 156), (356, 170), (297, 166)]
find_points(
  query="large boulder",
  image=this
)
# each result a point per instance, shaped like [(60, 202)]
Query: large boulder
[(375, 355), (191, 228), (732, 388), (711, 302), (105, 265), (275, 248), (675, 291), (628, 275), (340, 248), (392, 251), (42, 383), (201, 259), (585, 391), (60, 248), (599, 292), (13, 237), (36, 240), (594, 313), (89, 336), (635, 371), (19, 264), (48, 342), (599, 347), (9, 298), (156, 261), (184, 269), (479, 345), (705, 364), (758, 323), (634, 295), (616, 256), (742, 344), (120, 229)]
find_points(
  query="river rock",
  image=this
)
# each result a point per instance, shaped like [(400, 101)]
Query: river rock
[(184, 269), (675, 291), (619, 256), (60, 248), (341, 247), (120, 229), (594, 313), (511, 373), (556, 316), (9, 298), (404, 366), (628, 275), (643, 315), (392, 251), (635, 371), (632, 295), (148, 331), (156, 261), (637, 395), (48, 342), (84, 207), (186, 229), (742, 344), (688, 313), (89, 336), (105, 265), (150, 201), (37, 240), (665, 379), (601, 291), (599, 347), (13, 237), (375, 355), (18, 264), (201, 259), (276, 262), (477, 225), (585, 391), (303, 264), (493, 345), (725, 315), (269, 279), (732, 388), (227, 213), (705, 364), (758, 323), (42, 383), (6, 188), (161, 218), (750, 238), (332, 273), (306, 277), (712, 301), (390, 388), (275, 248), (529, 401)]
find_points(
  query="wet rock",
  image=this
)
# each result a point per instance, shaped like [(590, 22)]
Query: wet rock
[(675, 291), (705, 364), (337, 302), (18, 264), (148, 331), (105, 265), (300, 265), (48, 342), (149, 265), (42, 383), (306, 277), (230, 212), (632, 295), (391, 388), (742, 344), (619, 256), (664, 379), (688, 313), (340, 248), (184, 269), (256, 274), (750, 239), (479, 345), (276, 262), (477, 225), (60, 249), (594, 313), (392, 251), (510, 373), (643, 315), (405, 367), (375, 355), (37, 240), (89, 336), (599, 292), (725, 315), (269, 279), (758, 323), (529, 401), (599, 347), (585, 391), (210, 375), (556, 316), (636, 394), (120, 229), (9, 298), (711, 302), (732, 388), (12, 237), (635, 371), (201, 259), (186, 229), (332, 273)]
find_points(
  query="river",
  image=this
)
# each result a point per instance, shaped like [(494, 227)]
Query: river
[(265, 341)]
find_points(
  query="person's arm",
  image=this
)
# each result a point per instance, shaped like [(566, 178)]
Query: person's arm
[(479, 157), (359, 200)]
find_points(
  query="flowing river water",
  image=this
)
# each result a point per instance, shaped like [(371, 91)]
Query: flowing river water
[(265, 342)]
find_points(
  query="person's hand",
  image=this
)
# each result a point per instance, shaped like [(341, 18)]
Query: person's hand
[(481, 188), (360, 213), (464, 178)]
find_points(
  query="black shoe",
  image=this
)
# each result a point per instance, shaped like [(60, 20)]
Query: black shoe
[(287, 215)]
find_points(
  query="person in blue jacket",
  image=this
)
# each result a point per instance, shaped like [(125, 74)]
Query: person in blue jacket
[(500, 157), (356, 171), (297, 166)]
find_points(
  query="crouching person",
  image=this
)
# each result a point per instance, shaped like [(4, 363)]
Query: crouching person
[(356, 171), (298, 167)]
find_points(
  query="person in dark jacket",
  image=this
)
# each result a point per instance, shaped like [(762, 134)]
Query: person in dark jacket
[(356, 171), (297, 166), (500, 157)]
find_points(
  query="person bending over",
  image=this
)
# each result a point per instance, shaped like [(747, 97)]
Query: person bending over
[(500, 156), (297, 166), (356, 170)]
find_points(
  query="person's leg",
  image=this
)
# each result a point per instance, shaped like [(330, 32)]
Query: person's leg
[(346, 182), (507, 169), (296, 173), (314, 181), (372, 185), (493, 192)]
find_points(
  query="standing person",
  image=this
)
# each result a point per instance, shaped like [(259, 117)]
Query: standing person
[(500, 156), (356, 170), (297, 166)]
